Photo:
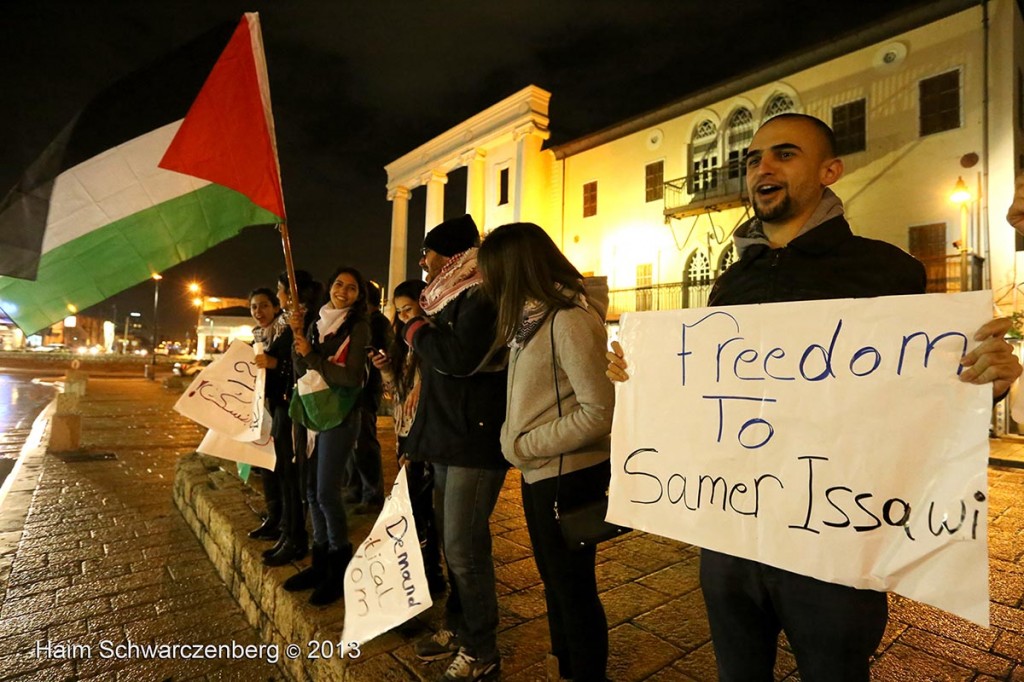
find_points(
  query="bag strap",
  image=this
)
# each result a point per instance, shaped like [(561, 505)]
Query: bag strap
[(558, 401)]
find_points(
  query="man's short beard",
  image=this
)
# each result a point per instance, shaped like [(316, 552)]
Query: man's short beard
[(775, 212)]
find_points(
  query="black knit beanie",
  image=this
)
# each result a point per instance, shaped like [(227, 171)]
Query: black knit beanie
[(453, 236)]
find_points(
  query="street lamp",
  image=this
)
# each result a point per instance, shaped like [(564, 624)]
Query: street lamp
[(156, 320), (199, 301), (961, 195)]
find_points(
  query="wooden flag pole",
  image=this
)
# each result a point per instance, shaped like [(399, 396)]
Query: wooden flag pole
[(289, 265)]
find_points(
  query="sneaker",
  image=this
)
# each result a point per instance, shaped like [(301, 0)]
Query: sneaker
[(441, 644), (466, 668)]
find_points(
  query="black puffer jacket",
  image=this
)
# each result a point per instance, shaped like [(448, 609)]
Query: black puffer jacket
[(828, 261), (461, 410)]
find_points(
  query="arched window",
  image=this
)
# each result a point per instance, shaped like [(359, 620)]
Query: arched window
[(780, 103), (697, 281), (704, 158), (741, 131), (727, 258), (706, 131)]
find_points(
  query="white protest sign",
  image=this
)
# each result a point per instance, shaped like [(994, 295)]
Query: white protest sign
[(827, 438), (258, 453), (385, 584), (222, 397), (259, 395)]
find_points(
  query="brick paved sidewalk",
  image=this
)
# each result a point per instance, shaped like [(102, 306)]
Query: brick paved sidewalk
[(105, 554)]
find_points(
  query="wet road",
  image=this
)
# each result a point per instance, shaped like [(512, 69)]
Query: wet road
[(20, 403)]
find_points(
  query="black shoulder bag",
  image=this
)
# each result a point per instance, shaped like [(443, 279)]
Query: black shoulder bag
[(583, 526)]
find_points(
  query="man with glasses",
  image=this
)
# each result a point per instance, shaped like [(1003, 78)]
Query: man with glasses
[(457, 428)]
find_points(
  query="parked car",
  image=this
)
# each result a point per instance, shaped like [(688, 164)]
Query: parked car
[(189, 369), (51, 348)]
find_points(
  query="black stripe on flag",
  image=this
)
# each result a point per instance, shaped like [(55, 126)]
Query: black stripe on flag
[(133, 106)]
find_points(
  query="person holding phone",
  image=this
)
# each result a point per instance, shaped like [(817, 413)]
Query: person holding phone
[(400, 370)]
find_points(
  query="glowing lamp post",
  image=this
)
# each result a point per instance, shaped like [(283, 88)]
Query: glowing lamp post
[(962, 196), (156, 320)]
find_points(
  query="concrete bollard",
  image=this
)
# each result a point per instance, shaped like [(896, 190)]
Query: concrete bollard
[(67, 403), (76, 382), (66, 425), (65, 433)]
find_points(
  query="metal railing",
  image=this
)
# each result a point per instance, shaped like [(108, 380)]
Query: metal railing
[(667, 296), (724, 184), (943, 273)]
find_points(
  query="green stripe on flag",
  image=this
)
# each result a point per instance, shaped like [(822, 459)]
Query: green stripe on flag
[(113, 258)]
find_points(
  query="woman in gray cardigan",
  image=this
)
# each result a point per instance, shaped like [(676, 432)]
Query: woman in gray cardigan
[(553, 327)]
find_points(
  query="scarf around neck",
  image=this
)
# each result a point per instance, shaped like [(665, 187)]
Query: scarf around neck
[(458, 275), (535, 312), (267, 335), (330, 319)]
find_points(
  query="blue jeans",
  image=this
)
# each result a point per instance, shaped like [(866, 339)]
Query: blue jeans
[(464, 498), (323, 482)]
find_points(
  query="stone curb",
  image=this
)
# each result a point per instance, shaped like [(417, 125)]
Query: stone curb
[(17, 492), (219, 508)]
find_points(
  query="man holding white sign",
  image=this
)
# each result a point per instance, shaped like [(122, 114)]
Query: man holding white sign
[(798, 247)]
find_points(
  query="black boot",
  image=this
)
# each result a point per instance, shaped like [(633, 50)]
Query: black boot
[(310, 577), (267, 553), (286, 553), (332, 585), (271, 527)]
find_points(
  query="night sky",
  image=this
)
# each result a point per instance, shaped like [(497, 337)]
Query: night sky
[(355, 85)]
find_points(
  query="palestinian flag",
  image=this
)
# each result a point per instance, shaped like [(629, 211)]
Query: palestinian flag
[(160, 167)]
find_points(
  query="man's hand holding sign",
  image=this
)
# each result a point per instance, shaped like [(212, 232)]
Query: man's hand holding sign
[(821, 449)]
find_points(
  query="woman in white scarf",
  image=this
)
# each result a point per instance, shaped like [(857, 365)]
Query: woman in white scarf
[(333, 346)]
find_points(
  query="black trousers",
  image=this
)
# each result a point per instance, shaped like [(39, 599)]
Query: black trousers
[(364, 472), (576, 620), (286, 473), (833, 629)]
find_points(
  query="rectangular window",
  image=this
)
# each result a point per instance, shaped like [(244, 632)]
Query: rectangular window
[(644, 275), (848, 123), (503, 187), (655, 181), (644, 279), (590, 199), (940, 102), (928, 244), (736, 166)]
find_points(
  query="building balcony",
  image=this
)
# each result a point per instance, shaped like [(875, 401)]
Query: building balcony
[(713, 189), (666, 296), (943, 273)]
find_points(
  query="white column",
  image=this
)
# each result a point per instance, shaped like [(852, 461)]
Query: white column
[(200, 345), (531, 176), (476, 185), (434, 181), (399, 198)]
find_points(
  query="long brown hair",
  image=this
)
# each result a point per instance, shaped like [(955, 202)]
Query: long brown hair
[(519, 261), (404, 375)]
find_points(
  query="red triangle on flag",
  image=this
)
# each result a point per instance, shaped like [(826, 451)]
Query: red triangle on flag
[(227, 135)]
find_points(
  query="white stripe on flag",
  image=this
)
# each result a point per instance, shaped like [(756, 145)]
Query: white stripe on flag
[(113, 185)]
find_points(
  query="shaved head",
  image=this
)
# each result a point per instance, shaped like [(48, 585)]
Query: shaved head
[(828, 138)]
